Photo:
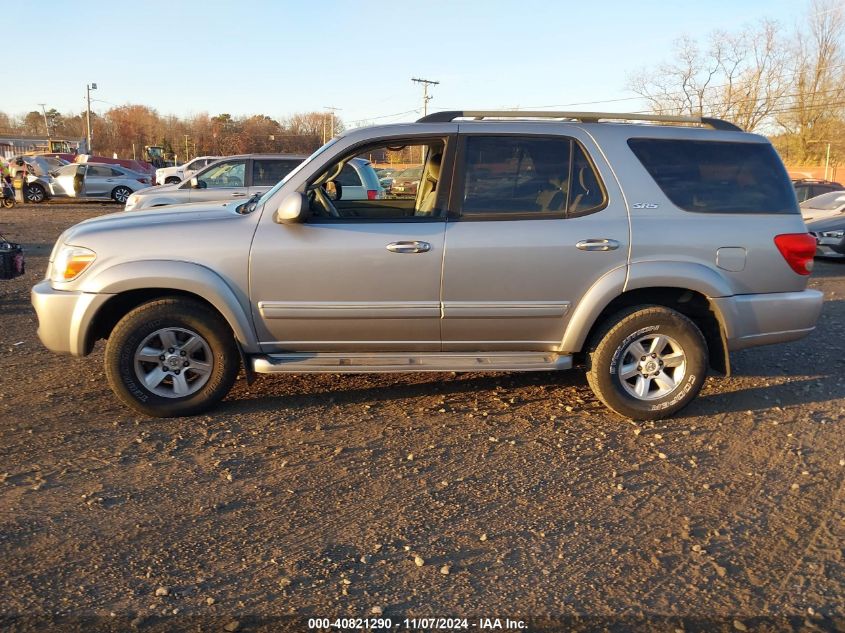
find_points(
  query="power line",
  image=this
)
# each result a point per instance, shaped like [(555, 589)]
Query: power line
[(385, 116), (640, 97)]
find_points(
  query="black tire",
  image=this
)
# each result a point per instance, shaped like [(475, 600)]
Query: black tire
[(655, 390), (35, 193), (121, 194), (171, 180), (133, 334)]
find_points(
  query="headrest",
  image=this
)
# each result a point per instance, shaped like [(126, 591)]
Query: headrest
[(434, 166)]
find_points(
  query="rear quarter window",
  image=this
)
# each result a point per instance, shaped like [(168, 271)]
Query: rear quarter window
[(716, 176)]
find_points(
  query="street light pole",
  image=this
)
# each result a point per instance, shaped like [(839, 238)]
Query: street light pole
[(88, 89), (331, 133)]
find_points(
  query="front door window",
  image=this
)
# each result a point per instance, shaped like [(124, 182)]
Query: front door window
[(351, 188), (228, 174)]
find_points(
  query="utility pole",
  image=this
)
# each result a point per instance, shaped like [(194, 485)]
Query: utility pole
[(88, 89), (186, 148), (331, 134), (46, 125), (426, 98)]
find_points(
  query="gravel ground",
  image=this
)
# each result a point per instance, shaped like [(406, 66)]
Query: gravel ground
[(432, 495)]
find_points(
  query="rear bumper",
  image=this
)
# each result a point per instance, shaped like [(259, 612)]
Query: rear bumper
[(763, 319), (64, 317)]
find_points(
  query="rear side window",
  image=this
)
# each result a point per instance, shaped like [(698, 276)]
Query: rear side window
[(718, 177), (529, 177), (100, 171), (348, 177), (269, 172)]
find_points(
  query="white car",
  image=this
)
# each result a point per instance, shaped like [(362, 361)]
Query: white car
[(169, 175), (824, 206)]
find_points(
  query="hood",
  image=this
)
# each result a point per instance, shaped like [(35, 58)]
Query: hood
[(177, 217), (835, 223), (159, 188)]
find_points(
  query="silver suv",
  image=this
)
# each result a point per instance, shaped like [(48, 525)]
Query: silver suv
[(536, 241), (229, 178)]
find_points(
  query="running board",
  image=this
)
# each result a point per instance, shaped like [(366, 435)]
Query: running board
[(356, 363)]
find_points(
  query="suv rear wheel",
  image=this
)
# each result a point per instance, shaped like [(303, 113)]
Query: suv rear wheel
[(171, 357), (647, 363)]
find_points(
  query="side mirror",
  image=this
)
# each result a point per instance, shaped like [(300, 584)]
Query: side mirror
[(293, 209), (196, 184)]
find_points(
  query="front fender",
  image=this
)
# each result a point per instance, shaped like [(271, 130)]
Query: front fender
[(188, 277)]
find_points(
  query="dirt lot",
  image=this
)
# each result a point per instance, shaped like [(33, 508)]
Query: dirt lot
[(313, 496)]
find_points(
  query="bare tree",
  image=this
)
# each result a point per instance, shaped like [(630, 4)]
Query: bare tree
[(738, 76), (812, 115)]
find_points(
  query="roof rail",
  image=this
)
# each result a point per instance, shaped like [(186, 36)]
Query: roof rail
[(585, 117)]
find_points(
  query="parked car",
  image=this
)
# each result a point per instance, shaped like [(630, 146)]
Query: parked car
[(39, 165), (647, 253), (170, 175), (137, 166), (405, 183), (94, 181), (231, 178), (824, 206), (830, 236), (385, 178), (37, 168), (360, 181), (806, 188)]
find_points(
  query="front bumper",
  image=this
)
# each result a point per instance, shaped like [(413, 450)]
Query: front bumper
[(763, 319), (65, 317)]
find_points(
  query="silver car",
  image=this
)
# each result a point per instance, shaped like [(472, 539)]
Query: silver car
[(230, 178), (96, 181), (646, 253), (827, 205)]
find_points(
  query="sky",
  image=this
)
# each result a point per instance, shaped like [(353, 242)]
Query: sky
[(185, 57)]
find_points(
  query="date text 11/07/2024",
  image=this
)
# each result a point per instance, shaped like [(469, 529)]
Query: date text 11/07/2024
[(446, 624)]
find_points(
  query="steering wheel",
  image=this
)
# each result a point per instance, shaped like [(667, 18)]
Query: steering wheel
[(320, 195)]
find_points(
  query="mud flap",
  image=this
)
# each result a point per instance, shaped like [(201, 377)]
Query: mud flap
[(248, 371)]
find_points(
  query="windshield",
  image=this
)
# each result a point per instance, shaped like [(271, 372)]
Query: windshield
[(825, 202), (295, 171)]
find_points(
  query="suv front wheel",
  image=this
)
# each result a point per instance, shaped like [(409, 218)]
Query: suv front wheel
[(171, 357), (647, 362)]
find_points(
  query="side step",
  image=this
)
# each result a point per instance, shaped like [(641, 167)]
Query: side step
[(356, 363)]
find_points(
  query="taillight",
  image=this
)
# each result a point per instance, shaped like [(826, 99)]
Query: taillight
[(798, 249), (372, 194)]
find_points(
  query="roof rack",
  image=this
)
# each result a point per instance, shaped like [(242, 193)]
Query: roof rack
[(585, 117)]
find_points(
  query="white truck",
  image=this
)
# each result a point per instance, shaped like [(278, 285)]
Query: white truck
[(168, 175)]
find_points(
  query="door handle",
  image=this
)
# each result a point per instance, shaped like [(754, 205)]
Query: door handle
[(238, 195), (597, 245), (409, 247)]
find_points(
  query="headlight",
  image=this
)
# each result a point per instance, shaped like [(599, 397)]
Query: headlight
[(836, 234), (70, 262)]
